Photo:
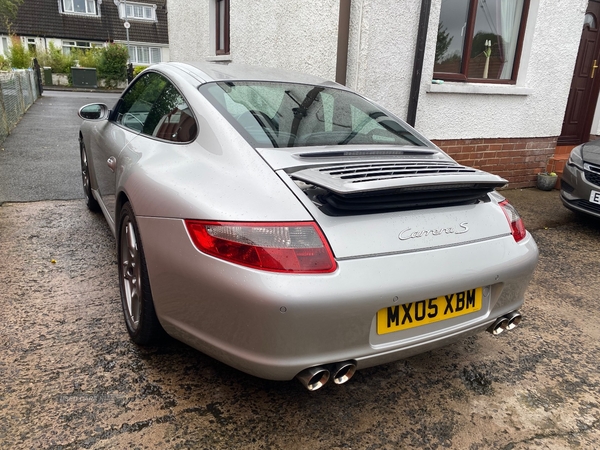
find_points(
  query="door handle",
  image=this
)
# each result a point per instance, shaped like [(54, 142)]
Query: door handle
[(594, 67), (112, 163)]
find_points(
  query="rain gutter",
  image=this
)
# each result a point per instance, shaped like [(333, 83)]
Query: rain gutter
[(413, 101), (343, 38)]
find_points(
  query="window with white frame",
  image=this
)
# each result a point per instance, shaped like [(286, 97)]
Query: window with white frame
[(79, 6), (140, 54), (68, 46), (137, 11)]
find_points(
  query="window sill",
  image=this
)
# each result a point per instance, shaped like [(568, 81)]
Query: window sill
[(475, 88), (138, 19), (219, 58), (80, 14)]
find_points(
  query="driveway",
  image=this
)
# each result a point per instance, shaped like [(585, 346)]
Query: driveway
[(39, 159), (72, 379)]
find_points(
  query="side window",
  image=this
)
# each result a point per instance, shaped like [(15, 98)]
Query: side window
[(137, 102), (154, 107)]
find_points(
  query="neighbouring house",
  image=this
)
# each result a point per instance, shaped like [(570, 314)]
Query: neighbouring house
[(495, 83), (83, 24)]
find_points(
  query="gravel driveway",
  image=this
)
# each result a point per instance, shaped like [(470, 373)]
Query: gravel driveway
[(72, 379)]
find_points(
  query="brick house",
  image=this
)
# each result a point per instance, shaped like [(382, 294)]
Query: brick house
[(83, 24), (490, 81)]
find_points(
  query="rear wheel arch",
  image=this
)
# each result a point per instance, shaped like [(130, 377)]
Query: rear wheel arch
[(141, 321)]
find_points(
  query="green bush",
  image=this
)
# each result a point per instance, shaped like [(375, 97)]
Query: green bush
[(88, 58), (56, 59), (137, 70), (18, 55), (4, 64), (112, 65)]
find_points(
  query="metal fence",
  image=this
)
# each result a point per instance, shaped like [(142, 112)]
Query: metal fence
[(18, 90)]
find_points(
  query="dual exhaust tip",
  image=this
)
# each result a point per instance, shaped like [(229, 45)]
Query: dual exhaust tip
[(505, 323), (315, 378)]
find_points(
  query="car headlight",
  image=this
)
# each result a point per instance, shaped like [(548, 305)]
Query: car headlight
[(575, 158)]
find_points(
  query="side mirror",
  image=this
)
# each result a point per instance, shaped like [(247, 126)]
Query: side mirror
[(93, 111)]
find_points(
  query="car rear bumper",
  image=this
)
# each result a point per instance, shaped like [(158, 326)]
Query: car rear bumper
[(275, 325)]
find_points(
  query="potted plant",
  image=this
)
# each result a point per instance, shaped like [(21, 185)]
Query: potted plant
[(546, 181)]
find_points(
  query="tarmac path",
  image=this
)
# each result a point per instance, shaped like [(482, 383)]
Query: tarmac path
[(39, 160), (71, 378)]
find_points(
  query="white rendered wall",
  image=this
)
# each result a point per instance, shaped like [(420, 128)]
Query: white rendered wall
[(383, 35), (554, 31), (291, 35), (296, 35), (383, 52), (303, 36), (189, 30)]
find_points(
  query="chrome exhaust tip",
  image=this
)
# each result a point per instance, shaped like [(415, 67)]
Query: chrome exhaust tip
[(498, 326), (313, 378), (514, 319), (343, 371)]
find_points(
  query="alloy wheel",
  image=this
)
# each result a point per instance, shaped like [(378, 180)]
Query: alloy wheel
[(130, 273)]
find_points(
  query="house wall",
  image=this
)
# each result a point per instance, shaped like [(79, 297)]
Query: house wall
[(381, 50), (533, 108), (304, 38), (189, 30), (508, 129), (381, 56)]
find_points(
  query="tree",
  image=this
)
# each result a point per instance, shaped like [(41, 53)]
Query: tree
[(8, 9), (18, 55), (443, 43), (113, 64)]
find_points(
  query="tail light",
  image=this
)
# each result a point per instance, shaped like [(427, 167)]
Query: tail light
[(517, 228), (298, 247)]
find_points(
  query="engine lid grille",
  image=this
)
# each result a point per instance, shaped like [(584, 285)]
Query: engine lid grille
[(387, 171), (360, 188), (346, 178)]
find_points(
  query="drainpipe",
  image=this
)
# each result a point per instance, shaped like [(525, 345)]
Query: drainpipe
[(415, 85), (343, 38)]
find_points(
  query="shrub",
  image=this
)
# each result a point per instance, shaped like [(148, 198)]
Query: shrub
[(88, 58), (137, 70), (56, 59), (18, 55), (112, 65), (4, 64)]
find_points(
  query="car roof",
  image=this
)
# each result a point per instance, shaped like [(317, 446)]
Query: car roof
[(206, 72)]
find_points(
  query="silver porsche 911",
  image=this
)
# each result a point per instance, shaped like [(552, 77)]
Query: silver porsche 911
[(289, 227)]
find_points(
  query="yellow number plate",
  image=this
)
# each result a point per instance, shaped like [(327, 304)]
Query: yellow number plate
[(402, 317)]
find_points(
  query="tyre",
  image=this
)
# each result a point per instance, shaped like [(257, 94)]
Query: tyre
[(136, 298), (90, 201)]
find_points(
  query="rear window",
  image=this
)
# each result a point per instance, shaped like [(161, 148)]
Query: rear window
[(296, 115)]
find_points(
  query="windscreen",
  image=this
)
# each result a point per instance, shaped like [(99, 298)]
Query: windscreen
[(277, 115)]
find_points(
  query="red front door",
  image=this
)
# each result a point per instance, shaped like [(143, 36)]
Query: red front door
[(583, 95)]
